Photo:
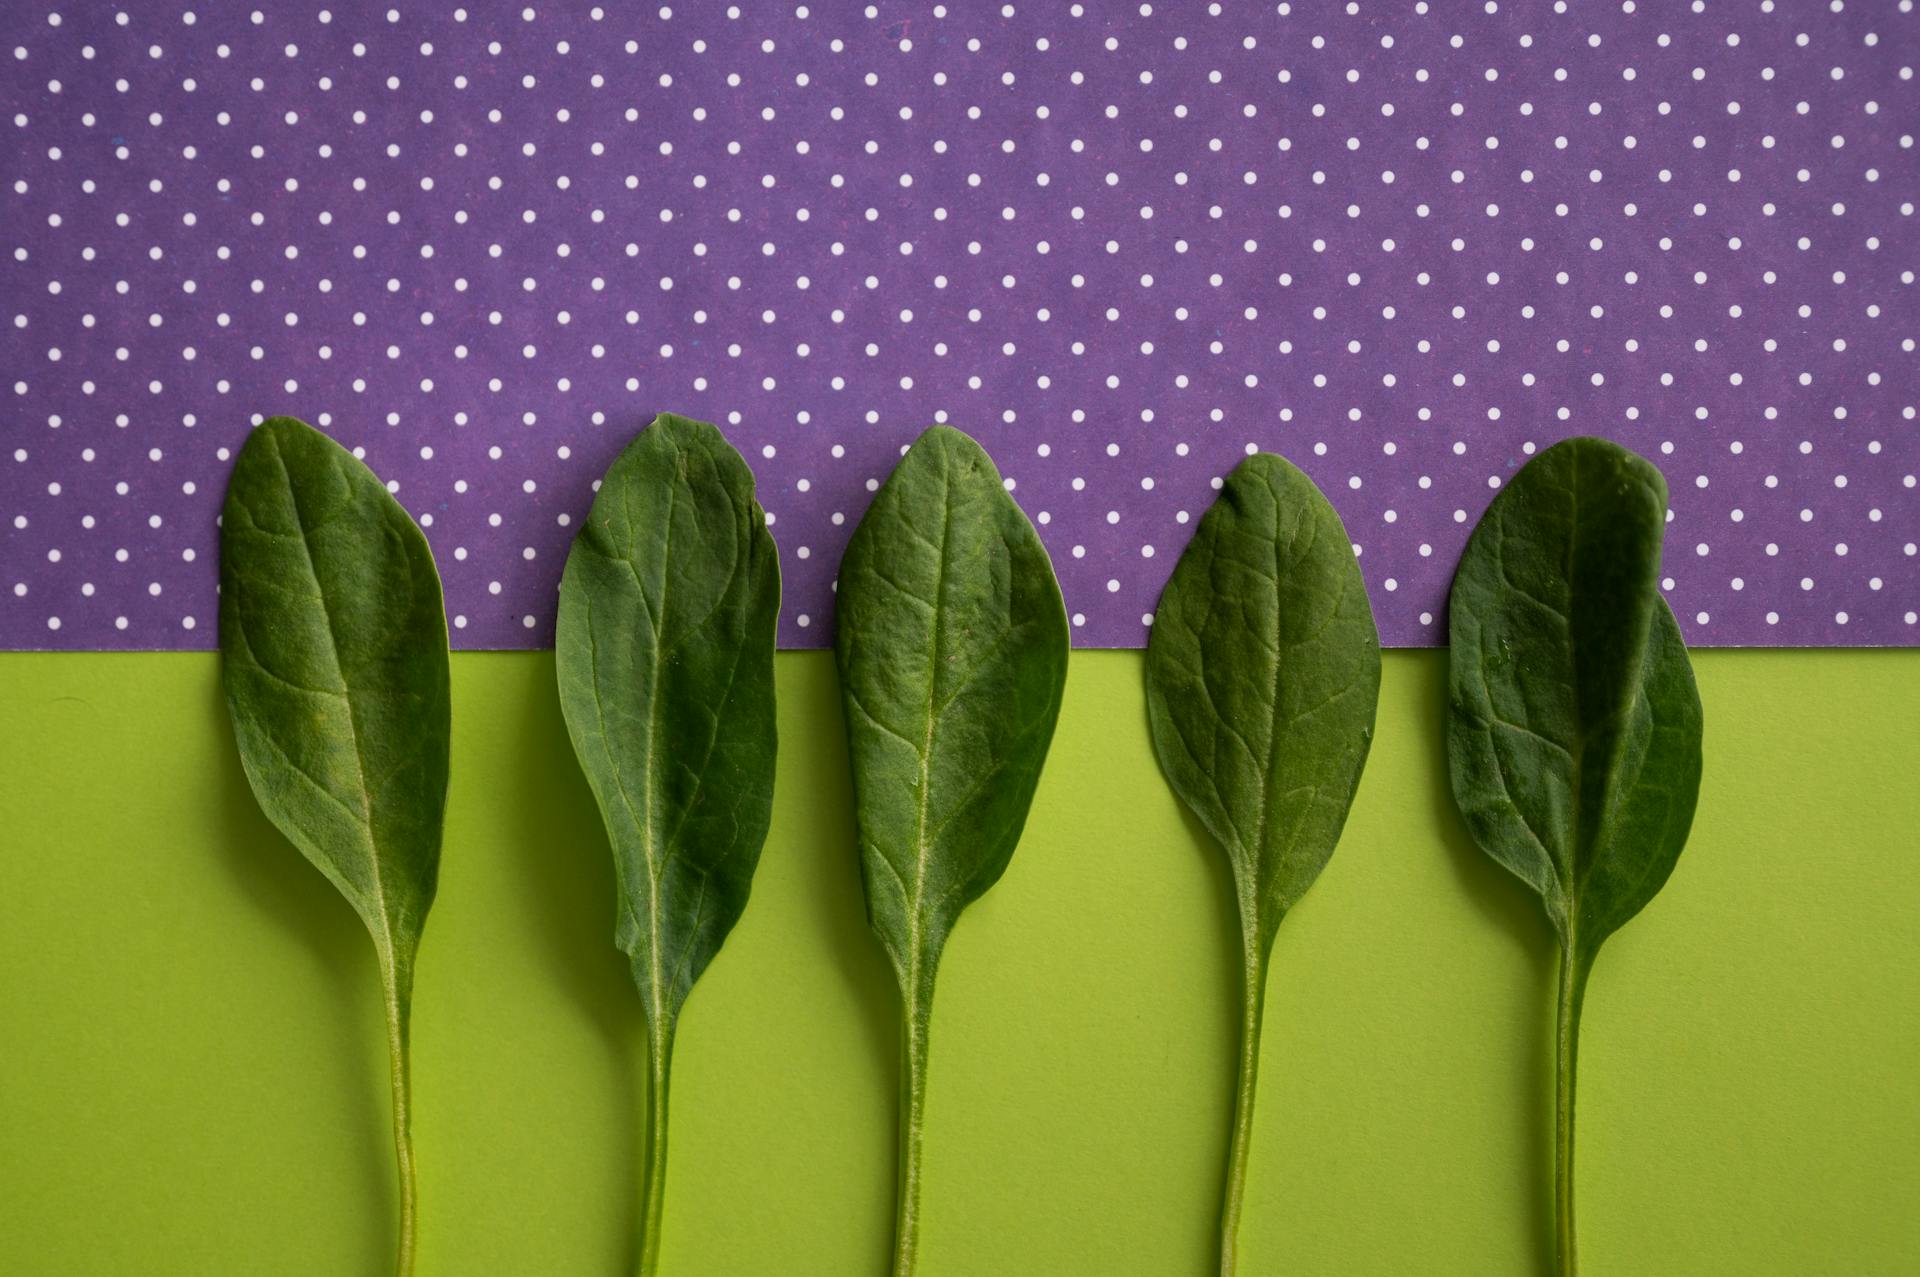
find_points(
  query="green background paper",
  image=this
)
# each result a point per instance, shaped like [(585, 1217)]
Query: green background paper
[(193, 1076)]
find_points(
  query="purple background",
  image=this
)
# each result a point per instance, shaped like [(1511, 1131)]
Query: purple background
[(1120, 245)]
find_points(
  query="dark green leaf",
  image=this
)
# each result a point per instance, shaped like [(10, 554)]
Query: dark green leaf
[(1263, 671), (333, 649), (664, 650), (1573, 732), (952, 646)]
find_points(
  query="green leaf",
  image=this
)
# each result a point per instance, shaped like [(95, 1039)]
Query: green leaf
[(664, 650), (1263, 671), (1573, 731), (333, 648), (951, 640)]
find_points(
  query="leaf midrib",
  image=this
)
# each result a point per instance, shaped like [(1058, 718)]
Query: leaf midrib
[(922, 846), (654, 758)]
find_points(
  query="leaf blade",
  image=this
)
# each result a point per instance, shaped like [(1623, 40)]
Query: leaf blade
[(664, 659), (334, 662), (1263, 675), (947, 612), (1552, 712)]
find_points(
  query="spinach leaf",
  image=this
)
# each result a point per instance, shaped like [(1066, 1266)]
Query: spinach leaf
[(1263, 671), (1573, 731), (333, 646), (951, 640), (664, 650)]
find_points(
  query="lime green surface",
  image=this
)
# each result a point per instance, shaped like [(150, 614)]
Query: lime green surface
[(192, 1078)]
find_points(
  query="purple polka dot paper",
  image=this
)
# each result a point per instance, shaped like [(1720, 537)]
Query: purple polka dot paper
[(1404, 244)]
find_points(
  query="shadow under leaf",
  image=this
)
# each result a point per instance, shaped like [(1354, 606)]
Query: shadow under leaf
[(838, 906), (566, 879), (277, 878), (1509, 906)]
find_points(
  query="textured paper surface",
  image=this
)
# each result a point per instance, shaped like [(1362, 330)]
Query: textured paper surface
[(1402, 244), (196, 1072)]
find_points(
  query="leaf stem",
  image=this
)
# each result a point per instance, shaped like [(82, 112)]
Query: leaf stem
[(396, 978), (1253, 1000), (1573, 991), (654, 1173), (917, 1016)]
